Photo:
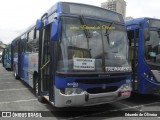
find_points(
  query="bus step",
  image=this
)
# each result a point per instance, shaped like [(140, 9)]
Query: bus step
[(47, 98)]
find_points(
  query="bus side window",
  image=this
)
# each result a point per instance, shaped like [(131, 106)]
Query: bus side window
[(36, 41), (27, 44), (32, 42)]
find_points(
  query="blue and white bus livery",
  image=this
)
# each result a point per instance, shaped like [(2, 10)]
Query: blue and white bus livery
[(82, 56)]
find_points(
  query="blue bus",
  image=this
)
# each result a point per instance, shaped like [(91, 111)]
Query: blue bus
[(75, 55), (144, 42), (24, 48), (6, 59)]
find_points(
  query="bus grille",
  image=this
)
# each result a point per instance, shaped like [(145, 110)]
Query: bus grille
[(100, 81), (102, 90)]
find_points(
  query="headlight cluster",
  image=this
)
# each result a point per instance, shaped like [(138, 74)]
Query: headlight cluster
[(126, 86), (71, 91), (148, 77)]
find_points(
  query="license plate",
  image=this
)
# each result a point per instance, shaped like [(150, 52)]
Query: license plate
[(127, 93)]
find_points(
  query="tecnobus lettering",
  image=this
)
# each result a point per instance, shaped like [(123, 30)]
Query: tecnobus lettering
[(111, 69)]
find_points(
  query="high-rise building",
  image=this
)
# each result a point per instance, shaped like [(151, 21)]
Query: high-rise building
[(128, 18), (115, 5)]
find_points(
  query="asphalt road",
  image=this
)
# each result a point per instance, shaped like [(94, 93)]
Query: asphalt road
[(15, 95)]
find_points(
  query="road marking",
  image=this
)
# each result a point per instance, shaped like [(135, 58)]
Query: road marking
[(17, 101), (144, 105), (15, 89), (6, 74), (9, 83), (130, 106), (138, 106), (6, 78), (123, 104)]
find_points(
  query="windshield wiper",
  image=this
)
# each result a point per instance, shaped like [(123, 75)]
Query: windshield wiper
[(83, 22), (107, 34)]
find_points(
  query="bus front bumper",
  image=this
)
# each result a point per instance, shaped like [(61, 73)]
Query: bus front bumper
[(86, 99)]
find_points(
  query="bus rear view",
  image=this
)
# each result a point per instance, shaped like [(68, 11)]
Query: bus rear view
[(144, 41)]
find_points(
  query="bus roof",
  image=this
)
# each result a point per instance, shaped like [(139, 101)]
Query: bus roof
[(150, 22), (78, 9), (136, 21), (84, 9)]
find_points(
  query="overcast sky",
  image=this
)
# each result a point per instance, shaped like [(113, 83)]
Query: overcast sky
[(17, 15)]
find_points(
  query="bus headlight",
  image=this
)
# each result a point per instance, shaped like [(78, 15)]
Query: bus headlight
[(78, 91), (71, 91)]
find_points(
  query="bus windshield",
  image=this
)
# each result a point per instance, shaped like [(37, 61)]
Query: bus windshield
[(153, 48), (97, 52)]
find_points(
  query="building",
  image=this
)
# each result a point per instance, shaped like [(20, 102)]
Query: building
[(115, 5), (128, 18)]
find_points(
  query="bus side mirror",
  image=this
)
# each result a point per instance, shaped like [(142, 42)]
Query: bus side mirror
[(54, 31), (146, 35), (39, 24)]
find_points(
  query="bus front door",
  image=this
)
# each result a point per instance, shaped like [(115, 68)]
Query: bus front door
[(45, 75), (133, 53)]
